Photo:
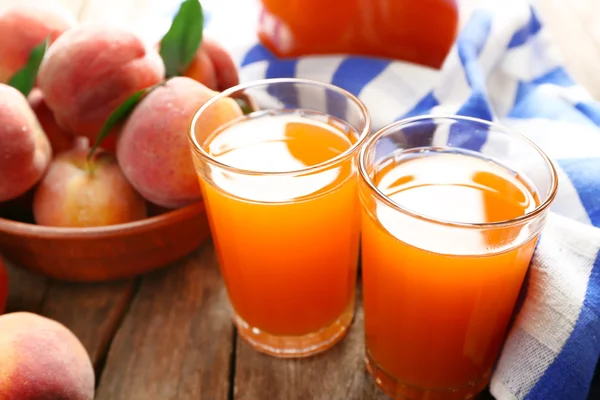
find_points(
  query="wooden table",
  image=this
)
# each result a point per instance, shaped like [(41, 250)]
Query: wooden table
[(168, 336)]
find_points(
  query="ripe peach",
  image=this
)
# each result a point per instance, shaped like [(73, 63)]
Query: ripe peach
[(76, 192), (42, 359), (3, 286), (60, 140), (202, 69), (92, 69), (213, 66), (153, 147), (24, 148), (23, 27)]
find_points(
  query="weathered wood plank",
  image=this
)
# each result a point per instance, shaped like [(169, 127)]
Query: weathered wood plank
[(26, 289), (176, 340), (337, 374), (91, 311)]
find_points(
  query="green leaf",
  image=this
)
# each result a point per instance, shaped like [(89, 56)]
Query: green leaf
[(24, 79), (179, 45), (120, 114), (245, 106)]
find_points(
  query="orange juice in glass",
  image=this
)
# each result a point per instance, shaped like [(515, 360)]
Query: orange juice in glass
[(280, 187), (448, 231)]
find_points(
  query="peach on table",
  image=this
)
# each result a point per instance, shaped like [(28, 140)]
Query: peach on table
[(41, 358)]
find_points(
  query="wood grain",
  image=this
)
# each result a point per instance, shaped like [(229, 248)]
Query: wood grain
[(92, 311), (26, 289), (176, 341), (337, 374)]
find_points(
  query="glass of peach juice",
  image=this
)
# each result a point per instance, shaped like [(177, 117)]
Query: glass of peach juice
[(452, 208), (279, 182)]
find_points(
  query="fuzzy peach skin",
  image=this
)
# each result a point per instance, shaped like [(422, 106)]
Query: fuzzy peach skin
[(153, 147), (78, 193), (60, 140), (90, 70), (24, 148), (23, 27), (202, 69), (213, 66), (3, 287), (42, 359)]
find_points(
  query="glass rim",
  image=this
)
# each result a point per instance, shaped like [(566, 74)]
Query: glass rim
[(478, 225), (363, 133)]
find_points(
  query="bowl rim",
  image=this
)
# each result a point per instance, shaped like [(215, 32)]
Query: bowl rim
[(25, 229)]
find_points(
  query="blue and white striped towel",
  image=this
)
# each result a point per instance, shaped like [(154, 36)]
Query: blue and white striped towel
[(502, 68)]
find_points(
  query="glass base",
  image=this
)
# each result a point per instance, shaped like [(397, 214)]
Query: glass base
[(296, 346), (399, 390)]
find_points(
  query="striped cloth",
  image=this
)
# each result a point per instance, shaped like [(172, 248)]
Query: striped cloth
[(502, 68)]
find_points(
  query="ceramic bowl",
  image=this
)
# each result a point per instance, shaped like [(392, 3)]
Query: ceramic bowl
[(103, 253)]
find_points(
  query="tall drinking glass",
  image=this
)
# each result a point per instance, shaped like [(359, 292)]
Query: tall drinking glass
[(280, 186), (452, 210)]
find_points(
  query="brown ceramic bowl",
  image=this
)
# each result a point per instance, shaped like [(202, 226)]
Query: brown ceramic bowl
[(108, 252)]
